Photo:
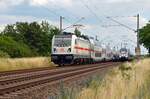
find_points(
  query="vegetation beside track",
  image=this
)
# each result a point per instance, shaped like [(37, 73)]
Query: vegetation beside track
[(8, 64), (129, 81)]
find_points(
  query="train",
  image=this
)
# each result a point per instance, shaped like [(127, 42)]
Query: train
[(67, 48)]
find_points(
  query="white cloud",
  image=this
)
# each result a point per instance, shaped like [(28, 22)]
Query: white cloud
[(38, 2), (118, 1), (12, 19), (5, 4), (8, 4), (62, 2), (50, 3)]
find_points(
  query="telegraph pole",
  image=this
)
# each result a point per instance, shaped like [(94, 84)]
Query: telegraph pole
[(61, 24), (138, 44)]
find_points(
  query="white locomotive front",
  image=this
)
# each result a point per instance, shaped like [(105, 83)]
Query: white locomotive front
[(124, 54)]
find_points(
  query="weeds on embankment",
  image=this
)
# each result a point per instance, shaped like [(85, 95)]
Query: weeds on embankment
[(129, 81), (7, 64)]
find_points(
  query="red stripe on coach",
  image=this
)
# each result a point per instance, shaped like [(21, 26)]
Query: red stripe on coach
[(85, 49)]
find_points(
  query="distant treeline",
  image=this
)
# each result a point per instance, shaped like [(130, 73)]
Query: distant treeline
[(25, 39)]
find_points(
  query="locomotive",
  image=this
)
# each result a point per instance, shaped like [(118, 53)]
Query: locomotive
[(67, 48), (124, 54)]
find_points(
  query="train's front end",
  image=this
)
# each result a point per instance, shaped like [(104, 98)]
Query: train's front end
[(123, 54), (62, 49)]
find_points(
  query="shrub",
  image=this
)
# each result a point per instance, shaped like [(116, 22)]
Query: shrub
[(13, 48)]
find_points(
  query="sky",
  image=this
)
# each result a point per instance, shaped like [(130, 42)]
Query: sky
[(94, 14)]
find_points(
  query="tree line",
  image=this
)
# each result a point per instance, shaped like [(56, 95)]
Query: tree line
[(25, 39)]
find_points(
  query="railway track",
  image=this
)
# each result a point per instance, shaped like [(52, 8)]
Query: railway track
[(10, 83), (7, 73)]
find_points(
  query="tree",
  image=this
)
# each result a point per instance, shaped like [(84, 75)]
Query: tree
[(145, 36), (77, 32), (49, 32), (16, 31)]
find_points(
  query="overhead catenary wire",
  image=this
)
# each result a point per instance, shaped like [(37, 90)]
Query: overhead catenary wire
[(114, 17), (91, 11), (56, 14), (121, 16), (51, 11), (66, 19), (121, 24), (74, 23), (110, 25)]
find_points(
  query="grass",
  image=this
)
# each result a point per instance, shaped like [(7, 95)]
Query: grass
[(66, 93), (129, 81), (7, 64)]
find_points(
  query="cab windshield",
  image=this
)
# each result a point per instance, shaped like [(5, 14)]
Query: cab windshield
[(62, 42), (123, 50)]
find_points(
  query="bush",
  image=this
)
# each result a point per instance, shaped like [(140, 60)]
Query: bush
[(4, 54), (13, 48)]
